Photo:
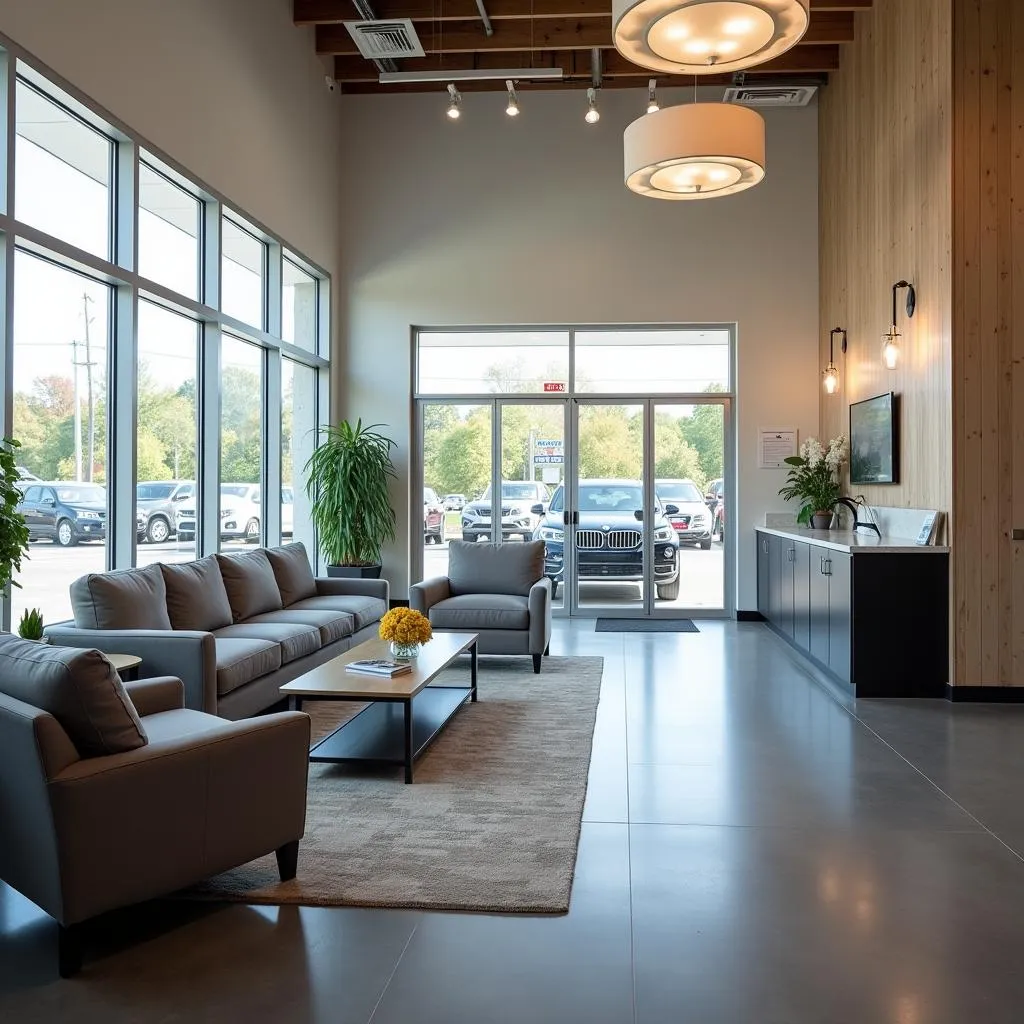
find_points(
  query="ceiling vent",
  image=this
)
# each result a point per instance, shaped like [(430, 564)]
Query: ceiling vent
[(379, 40), (770, 95)]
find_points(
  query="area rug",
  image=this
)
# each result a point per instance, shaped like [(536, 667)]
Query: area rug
[(491, 822), (645, 626)]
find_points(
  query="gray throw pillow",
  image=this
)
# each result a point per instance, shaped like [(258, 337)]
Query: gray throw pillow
[(196, 598), (250, 583), (494, 569), (125, 599), (291, 570), (79, 687)]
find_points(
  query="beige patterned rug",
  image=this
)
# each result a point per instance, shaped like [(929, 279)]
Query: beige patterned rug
[(491, 823)]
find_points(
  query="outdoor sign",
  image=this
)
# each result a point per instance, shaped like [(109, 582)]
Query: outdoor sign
[(548, 453), (555, 385)]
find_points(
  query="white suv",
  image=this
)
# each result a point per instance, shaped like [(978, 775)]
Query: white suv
[(239, 514)]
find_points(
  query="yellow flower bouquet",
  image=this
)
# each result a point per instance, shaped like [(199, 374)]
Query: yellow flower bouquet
[(406, 630)]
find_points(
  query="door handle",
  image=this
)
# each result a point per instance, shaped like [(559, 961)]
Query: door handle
[(821, 564), (791, 554), (828, 571)]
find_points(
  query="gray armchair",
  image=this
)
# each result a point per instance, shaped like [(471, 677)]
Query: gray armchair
[(498, 591), (137, 798)]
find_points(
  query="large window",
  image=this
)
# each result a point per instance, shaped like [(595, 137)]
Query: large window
[(63, 170), (61, 327), (128, 357), (165, 450)]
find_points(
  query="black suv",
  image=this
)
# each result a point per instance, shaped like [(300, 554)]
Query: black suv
[(65, 512), (609, 536)]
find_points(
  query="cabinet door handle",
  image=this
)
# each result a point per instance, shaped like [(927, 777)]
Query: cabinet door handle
[(828, 571), (791, 554), (821, 564)]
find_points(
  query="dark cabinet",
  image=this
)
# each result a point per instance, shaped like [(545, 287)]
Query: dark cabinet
[(876, 620)]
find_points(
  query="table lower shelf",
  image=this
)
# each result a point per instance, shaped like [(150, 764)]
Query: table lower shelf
[(377, 733)]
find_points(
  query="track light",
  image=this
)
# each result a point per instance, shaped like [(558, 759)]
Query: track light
[(653, 106), (454, 111), (513, 103), (593, 115)]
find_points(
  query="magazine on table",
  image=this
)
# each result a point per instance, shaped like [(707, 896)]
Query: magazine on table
[(379, 667)]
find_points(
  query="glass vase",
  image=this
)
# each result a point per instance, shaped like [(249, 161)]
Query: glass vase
[(404, 652)]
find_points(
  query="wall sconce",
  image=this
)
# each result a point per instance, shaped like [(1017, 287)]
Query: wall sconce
[(830, 375), (891, 340)]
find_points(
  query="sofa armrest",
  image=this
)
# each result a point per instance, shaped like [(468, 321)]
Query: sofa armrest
[(151, 696), (423, 596), (328, 586), (137, 825), (189, 655), (540, 616)]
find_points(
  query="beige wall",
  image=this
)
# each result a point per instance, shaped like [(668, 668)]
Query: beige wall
[(230, 89), (886, 130), (494, 222)]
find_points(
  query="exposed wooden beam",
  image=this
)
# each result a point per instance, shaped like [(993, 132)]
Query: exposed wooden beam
[(583, 82), (799, 60), (548, 34), (327, 12)]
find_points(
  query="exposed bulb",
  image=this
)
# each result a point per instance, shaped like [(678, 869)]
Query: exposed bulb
[(891, 348), (454, 103), (831, 379), (652, 107), (593, 115), (513, 103), (453, 111)]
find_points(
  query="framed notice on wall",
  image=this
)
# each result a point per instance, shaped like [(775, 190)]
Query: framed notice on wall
[(774, 446)]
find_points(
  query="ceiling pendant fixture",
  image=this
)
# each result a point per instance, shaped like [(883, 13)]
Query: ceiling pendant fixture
[(695, 151), (454, 103), (653, 106), (697, 37)]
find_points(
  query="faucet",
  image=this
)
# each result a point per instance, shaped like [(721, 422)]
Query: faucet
[(852, 505)]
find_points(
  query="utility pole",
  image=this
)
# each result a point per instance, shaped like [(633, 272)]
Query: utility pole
[(531, 466), (88, 381), (78, 411)]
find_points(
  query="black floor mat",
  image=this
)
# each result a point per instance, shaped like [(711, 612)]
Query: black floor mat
[(645, 626)]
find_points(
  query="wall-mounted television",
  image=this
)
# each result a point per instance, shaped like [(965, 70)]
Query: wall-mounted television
[(874, 440)]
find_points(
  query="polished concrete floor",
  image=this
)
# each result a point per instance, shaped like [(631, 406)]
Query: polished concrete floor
[(754, 849)]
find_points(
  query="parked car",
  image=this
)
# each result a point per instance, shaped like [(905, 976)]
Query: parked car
[(287, 512), (140, 526), (610, 536), (692, 518), (65, 512), (714, 492), (718, 520), (454, 502), (158, 501), (519, 499), (433, 517), (239, 514)]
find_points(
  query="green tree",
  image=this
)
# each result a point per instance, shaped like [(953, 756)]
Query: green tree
[(609, 443), (464, 458), (704, 431)]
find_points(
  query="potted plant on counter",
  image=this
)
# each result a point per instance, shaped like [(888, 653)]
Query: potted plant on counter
[(349, 473), (813, 480)]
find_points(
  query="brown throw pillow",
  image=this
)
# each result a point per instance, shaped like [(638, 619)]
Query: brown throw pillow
[(291, 570), (196, 598), (250, 583), (79, 688), (125, 599)]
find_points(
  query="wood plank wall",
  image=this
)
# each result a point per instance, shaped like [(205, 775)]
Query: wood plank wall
[(885, 142), (988, 341)]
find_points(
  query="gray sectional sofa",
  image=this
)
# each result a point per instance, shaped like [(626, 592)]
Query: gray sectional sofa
[(233, 628)]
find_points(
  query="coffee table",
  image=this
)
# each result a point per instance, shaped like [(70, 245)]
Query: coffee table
[(404, 713)]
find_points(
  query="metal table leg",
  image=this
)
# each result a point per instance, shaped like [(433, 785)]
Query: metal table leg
[(408, 741), (472, 671)]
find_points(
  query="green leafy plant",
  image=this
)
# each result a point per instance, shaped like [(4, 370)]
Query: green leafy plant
[(30, 627), (813, 478), (348, 486), (13, 531)]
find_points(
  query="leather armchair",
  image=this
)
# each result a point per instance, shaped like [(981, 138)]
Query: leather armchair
[(498, 591), (82, 836)]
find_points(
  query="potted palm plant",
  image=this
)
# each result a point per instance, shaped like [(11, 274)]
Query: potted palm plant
[(13, 531), (347, 483)]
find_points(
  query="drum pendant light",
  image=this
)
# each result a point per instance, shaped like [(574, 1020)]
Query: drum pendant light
[(696, 37), (695, 151)]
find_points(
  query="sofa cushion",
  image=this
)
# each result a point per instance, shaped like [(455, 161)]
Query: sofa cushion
[(494, 568), (125, 599), (79, 687), (196, 598), (332, 625), (291, 570), (250, 583), (240, 660), (296, 639), (364, 610), (481, 611)]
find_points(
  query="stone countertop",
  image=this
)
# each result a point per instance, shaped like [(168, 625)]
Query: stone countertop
[(855, 543)]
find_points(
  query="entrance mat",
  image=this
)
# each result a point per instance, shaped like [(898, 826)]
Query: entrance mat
[(645, 626), (491, 823)]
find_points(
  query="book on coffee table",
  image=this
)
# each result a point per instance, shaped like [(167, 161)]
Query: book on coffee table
[(379, 667)]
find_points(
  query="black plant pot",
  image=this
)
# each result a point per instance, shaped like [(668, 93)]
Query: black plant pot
[(358, 572)]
